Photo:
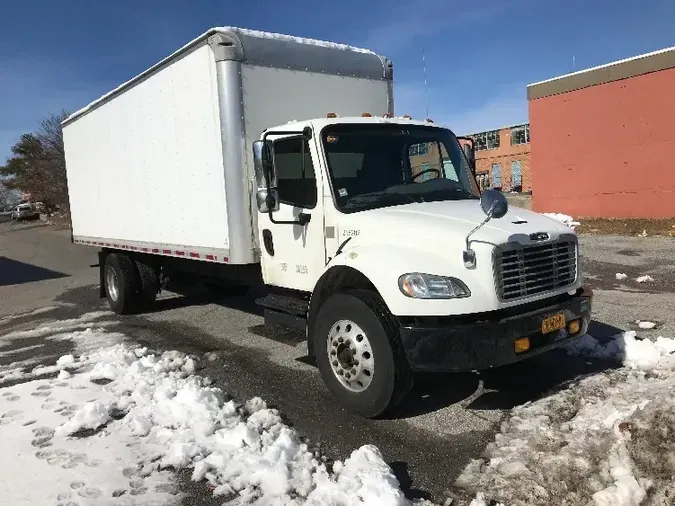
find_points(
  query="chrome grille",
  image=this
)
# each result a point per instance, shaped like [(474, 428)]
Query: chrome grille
[(521, 271)]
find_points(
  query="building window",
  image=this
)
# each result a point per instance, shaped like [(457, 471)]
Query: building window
[(496, 175), (516, 176), (480, 141), (486, 140), (493, 139), (520, 135), (483, 180), (419, 149), (425, 176)]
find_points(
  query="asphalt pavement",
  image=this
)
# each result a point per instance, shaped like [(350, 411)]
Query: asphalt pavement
[(447, 421)]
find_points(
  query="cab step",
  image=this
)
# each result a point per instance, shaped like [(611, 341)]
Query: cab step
[(285, 311)]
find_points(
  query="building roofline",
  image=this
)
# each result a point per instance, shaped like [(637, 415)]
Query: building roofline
[(602, 74), (506, 127)]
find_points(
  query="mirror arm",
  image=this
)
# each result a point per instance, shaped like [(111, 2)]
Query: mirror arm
[(469, 255)]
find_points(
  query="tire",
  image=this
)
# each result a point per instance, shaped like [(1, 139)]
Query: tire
[(148, 284), (351, 316), (121, 284)]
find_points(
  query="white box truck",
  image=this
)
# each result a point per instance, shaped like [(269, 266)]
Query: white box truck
[(250, 157)]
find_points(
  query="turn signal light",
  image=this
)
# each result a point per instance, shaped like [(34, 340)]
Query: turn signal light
[(331, 115), (366, 115), (521, 344), (573, 326)]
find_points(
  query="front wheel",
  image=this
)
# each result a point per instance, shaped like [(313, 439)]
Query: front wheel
[(359, 355)]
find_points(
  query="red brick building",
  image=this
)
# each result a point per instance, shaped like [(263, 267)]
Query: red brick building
[(604, 140), (503, 158)]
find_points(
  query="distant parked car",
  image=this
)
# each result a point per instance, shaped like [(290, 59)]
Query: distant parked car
[(25, 212)]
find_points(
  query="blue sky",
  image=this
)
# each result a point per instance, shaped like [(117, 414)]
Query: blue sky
[(480, 55)]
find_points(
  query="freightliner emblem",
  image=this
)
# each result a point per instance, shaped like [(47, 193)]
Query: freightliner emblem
[(539, 236)]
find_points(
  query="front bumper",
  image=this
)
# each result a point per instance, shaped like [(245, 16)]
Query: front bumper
[(478, 342)]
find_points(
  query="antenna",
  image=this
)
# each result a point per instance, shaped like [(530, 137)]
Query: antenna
[(426, 90), (574, 62)]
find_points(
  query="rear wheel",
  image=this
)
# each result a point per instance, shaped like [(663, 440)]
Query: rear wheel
[(121, 285), (359, 355), (148, 284)]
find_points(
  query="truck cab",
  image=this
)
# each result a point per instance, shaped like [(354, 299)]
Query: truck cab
[(404, 264)]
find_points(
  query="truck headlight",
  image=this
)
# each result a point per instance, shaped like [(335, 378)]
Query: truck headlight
[(429, 286)]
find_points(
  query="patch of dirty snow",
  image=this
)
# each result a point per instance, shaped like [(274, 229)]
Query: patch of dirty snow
[(605, 440), (564, 219)]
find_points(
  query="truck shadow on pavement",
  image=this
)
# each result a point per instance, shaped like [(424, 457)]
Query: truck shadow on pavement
[(13, 272), (498, 389)]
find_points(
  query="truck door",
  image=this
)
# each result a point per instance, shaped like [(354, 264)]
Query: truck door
[(292, 255)]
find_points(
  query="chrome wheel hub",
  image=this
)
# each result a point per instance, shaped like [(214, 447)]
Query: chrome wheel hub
[(111, 284), (350, 356)]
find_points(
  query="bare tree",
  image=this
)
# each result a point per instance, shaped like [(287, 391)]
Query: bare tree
[(38, 164)]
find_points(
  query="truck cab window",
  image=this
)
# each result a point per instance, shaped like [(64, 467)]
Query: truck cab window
[(296, 181), (390, 165)]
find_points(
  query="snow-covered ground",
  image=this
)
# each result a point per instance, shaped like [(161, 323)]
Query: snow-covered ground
[(606, 440), (110, 423)]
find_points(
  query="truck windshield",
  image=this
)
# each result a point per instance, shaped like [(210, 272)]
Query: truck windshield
[(391, 164)]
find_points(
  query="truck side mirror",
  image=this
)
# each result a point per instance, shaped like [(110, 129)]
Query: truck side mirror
[(494, 204), (267, 195)]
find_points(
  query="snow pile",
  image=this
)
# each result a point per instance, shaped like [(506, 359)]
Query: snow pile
[(644, 279), (621, 276), (152, 413), (645, 325), (564, 219), (607, 440)]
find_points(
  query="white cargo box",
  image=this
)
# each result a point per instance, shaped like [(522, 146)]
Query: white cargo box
[(163, 163)]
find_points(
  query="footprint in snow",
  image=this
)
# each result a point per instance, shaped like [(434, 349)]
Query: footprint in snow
[(9, 416), (29, 422), (42, 442), (89, 492), (49, 405), (43, 431), (12, 398)]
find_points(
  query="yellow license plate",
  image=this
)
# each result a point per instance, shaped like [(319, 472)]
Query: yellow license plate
[(553, 322)]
